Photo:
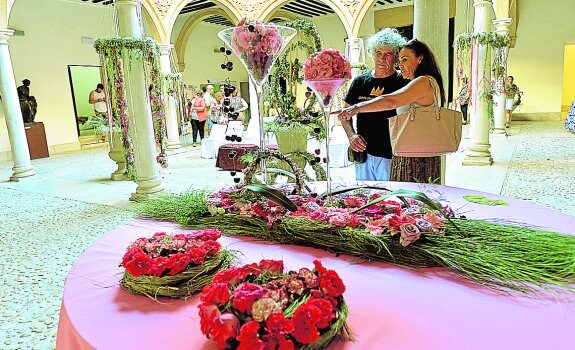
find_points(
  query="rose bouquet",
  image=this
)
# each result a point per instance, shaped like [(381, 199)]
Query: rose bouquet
[(258, 306), (257, 44), (173, 265), (327, 64)]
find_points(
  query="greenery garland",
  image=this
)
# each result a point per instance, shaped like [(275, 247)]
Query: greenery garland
[(510, 259), (117, 54), (268, 154)]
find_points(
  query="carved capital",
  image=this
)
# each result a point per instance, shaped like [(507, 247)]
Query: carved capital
[(163, 6), (251, 8), (351, 5)]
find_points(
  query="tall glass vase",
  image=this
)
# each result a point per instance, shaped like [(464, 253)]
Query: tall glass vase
[(258, 45), (325, 89)]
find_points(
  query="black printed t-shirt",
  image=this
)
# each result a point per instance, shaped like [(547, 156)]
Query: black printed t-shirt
[(374, 127)]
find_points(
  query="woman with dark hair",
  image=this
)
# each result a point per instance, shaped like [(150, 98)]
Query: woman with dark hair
[(417, 64)]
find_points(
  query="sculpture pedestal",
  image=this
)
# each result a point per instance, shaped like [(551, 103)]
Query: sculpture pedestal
[(36, 136)]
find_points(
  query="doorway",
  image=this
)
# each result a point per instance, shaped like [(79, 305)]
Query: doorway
[(83, 79)]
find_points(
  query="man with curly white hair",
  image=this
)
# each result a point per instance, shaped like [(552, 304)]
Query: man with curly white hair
[(371, 142)]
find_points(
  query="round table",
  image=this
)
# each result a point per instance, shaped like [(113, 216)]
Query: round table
[(390, 307)]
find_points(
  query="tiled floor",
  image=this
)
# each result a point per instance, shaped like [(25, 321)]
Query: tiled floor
[(84, 175)]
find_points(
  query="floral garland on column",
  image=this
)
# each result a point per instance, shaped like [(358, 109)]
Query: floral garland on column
[(114, 53), (495, 43), (173, 84)]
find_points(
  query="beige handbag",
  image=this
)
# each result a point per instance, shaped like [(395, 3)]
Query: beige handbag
[(425, 131)]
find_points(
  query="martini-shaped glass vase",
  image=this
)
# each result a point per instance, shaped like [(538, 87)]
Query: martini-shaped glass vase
[(325, 90), (258, 45)]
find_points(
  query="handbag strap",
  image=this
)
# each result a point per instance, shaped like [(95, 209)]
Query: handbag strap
[(435, 104)]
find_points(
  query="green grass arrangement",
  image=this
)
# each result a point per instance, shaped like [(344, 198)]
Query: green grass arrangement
[(182, 285), (507, 258)]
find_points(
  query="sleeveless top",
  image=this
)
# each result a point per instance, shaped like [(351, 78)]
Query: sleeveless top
[(101, 106), (435, 88)]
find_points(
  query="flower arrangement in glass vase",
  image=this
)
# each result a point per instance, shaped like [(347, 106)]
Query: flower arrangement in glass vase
[(258, 306), (325, 72), (173, 265)]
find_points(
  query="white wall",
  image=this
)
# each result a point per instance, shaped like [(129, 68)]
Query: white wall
[(202, 63), (52, 41), (536, 61)]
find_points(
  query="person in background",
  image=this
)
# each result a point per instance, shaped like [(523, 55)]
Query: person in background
[(511, 90), (98, 99), (208, 97), (417, 64), (372, 140), (216, 115), (463, 98), (197, 115), (239, 105)]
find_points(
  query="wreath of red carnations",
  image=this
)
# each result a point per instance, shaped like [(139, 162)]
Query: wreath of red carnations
[(173, 265), (258, 307)]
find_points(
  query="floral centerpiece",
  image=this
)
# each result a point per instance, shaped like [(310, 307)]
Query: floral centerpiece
[(257, 45), (173, 265), (258, 306), (404, 228)]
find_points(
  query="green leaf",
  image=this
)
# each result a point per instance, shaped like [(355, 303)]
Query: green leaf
[(402, 194), (281, 171), (348, 189), (273, 194)]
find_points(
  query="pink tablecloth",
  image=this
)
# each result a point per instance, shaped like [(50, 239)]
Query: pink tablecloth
[(391, 308)]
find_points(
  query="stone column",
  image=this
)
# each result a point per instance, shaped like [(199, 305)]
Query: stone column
[(139, 112), (431, 26), (478, 147), (171, 112), (501, 27), (354, 51), (13, 115)]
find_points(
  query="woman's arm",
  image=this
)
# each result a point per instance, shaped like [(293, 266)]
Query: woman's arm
[(417, 91)]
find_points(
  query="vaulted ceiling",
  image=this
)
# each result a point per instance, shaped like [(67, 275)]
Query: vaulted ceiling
[(300, 8)]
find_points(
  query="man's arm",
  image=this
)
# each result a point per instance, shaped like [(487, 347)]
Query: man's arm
[(356, 142)]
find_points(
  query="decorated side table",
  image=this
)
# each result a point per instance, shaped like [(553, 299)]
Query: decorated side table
[(390, 307), (229, 156)]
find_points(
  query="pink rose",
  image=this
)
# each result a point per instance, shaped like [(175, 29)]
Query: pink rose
[(409, 234)]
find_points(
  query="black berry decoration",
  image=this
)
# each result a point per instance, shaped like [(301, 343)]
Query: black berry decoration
[(317, 151), (239, 139), (228, 52), (313, 195), (325, 159), (237, 180), (223, 66), (222, 49), (251, 28), (234, 138), (228, 138), (317, 159), (232, 173), (316, 130), (312, 162)]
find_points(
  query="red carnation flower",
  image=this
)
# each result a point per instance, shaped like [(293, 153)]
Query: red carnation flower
[(278, 327), (208, 313), (275, 267), (215, 293), (331, 285), (245, 295), (304, 320), (249, 338), (326, 308), (224, 328)]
